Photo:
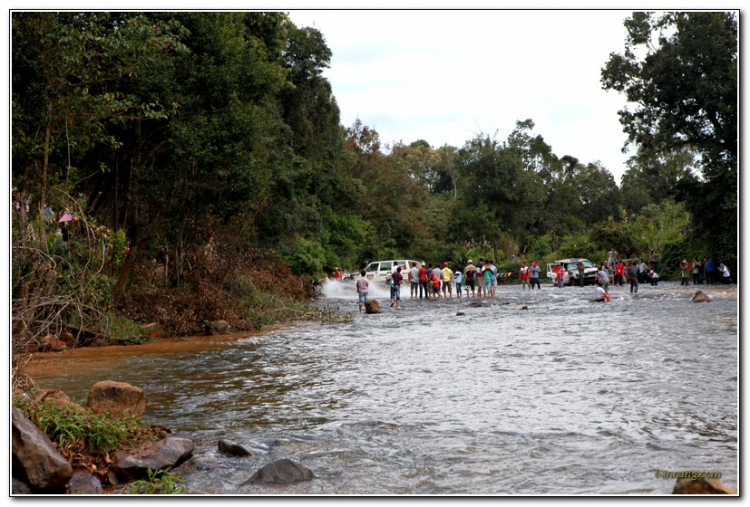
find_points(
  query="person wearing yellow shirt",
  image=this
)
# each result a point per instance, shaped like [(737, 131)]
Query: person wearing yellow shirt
[(447, 279)]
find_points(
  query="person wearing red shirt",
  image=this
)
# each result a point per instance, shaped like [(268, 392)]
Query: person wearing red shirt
[(423, 281), (619, 272)]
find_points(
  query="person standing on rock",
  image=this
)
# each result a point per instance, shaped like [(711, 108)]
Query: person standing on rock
[(362, 286)]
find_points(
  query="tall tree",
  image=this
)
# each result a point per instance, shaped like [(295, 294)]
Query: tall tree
[(680, 68)]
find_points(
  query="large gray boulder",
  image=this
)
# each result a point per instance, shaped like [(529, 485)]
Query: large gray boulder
[(36, 461), (117, 398), (163, 455), (283, 471)]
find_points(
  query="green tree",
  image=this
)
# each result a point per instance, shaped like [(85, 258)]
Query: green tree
[(680, 68)]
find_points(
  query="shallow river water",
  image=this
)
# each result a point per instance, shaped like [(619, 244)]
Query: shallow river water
[(566, 397)]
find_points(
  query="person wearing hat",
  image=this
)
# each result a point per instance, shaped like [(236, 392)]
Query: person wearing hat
[(447, 280), (685, 268), (337, 274), (470, 274)]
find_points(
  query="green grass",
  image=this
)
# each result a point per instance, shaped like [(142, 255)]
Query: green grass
[(158, 482), (71, 425)]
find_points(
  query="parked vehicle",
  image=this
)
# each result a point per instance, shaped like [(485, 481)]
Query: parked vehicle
[(379, 271), (570, 277)]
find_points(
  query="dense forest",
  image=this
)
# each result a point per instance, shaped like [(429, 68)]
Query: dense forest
[(201, 159)]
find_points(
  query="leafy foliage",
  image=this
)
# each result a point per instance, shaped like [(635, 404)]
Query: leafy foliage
[(158, 482)]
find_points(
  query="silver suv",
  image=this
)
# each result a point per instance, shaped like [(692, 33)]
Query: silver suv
[(570, 277)]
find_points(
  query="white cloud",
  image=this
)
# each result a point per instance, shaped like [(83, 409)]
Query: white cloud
[(444, 76)]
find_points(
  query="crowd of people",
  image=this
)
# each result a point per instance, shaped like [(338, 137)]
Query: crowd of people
[(428, 281)]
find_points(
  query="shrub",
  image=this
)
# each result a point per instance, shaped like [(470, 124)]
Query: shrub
[(158, 482)]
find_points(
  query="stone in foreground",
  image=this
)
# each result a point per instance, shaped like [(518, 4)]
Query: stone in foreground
[(701, 486), (36, 461), (283, 471)]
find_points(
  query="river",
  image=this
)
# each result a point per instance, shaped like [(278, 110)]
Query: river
[(564, 397)]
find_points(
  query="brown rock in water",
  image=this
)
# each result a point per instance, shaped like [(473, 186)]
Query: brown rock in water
[(460, 314), (282, 471), (701, 486), (372, 306), (701, 297), (36, 461), (524, 307), (117, 398), (233, 449)]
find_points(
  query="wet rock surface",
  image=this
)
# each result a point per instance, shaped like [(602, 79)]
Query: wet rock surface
[(164, 455), (283, 471), (36, 461)]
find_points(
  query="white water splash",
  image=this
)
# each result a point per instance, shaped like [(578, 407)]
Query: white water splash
[(333, 289)]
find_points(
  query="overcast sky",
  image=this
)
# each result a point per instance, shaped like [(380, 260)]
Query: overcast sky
[(446, 75)]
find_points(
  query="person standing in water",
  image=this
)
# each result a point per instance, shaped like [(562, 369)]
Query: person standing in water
[(396, 280), (633, 276), (362, 286), (524, 274), (414, 279), (534, 271)]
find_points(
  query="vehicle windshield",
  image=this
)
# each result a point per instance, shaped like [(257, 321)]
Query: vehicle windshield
[(373, 266)]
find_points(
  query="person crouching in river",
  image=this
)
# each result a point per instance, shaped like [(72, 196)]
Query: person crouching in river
[(600, 295)]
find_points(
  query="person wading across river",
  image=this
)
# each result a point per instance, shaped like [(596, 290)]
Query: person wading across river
[(396, 279), (362, 286)]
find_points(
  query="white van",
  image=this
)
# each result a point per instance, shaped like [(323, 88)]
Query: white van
[(379, 271)]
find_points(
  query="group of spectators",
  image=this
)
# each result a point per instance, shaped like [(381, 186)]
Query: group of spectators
[(704, 271)]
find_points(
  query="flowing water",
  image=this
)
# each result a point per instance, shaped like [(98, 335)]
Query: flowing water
[(564, 397)]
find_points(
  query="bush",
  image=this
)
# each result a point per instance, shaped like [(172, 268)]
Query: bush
[(306, 258)]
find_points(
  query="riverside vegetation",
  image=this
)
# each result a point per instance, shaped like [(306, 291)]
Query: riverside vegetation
[(206, 175)]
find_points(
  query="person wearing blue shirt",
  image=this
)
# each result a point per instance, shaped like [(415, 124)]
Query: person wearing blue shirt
[(708, 269)]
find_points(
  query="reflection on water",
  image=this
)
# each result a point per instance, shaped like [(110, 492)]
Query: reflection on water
[(567, 397)]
